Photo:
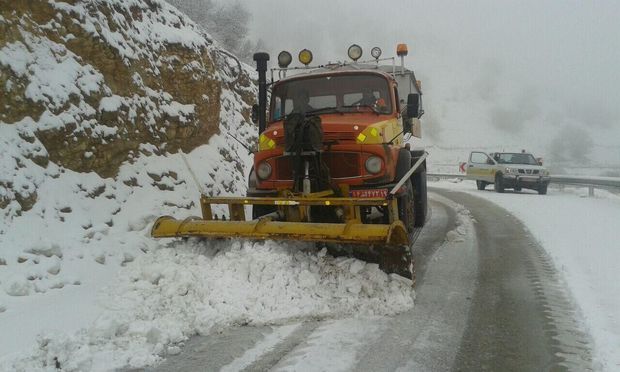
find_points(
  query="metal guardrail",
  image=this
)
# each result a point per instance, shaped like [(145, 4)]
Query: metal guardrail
[(445, 176), (590, 182)]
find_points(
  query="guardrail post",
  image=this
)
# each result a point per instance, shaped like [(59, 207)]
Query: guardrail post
[(590, 191)]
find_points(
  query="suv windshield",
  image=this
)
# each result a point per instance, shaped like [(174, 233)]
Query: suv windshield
[(515, 158), (332, 93)]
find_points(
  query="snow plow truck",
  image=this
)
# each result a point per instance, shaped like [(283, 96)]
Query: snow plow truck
[(333, 163)]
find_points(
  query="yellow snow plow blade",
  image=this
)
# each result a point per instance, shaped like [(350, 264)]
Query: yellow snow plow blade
[(295, 226), (393, 234)]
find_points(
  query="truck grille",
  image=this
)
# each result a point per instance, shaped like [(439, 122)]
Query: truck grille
[(341, 165), (528, 171)]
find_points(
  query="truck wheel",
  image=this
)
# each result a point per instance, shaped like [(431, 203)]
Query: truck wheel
[(420, 200), (517, 188), (258, 210), (481, 185), (261, 210), (403, 165), (406, 207), (499, 183), (542, 189)]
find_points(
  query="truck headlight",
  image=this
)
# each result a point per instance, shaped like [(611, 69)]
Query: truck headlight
[(374, 164), (263, 171)]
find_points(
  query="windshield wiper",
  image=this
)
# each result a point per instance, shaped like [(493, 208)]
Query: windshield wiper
[(324, 110)]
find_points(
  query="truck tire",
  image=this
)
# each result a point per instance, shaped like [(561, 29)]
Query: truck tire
[(406, 208), (481, 185), (258, 210), (499, 183), (420, 196), (406, 201), (403, 165), (261, 210)]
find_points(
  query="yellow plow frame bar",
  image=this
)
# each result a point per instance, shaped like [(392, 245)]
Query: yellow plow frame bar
[(297, 224)]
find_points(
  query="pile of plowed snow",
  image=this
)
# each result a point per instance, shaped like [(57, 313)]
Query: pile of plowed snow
[(182, 289)]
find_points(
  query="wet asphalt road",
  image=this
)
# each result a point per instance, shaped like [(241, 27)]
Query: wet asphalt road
[(491, 302), (521, 318)]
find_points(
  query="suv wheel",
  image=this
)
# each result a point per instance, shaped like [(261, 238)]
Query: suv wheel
[(542, 189), (481, 185), (499, 183)]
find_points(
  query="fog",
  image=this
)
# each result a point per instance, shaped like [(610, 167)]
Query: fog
[(524, 74)]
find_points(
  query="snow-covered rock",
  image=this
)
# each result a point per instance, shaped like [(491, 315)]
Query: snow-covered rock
[(88, 84)]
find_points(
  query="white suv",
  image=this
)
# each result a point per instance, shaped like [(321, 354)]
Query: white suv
[(507, 170)]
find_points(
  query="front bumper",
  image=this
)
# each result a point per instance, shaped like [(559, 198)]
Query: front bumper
[(525, 181)]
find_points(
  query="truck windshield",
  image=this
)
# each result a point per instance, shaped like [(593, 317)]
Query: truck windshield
[(516, 158), (331, 93)]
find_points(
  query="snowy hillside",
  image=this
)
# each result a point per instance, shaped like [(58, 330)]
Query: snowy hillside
[(100, 99)]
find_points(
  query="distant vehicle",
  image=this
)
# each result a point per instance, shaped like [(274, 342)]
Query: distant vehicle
[(507, 170)]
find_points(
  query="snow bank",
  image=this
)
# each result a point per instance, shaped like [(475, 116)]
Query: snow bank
[(182, 289)]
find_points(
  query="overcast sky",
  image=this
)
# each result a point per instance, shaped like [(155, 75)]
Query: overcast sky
[(491, 69)]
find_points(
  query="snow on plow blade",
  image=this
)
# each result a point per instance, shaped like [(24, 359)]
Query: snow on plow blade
[(386, 244), (294, 226), (393, 234)]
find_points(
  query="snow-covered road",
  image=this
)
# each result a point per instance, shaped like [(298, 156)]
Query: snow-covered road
[(582, 236), (300, 304), (487, 298)]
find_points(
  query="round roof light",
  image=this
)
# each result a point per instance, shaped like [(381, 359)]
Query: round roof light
[(284, 59), (401, 50), (375, 52), (355, 52), (305, 57)]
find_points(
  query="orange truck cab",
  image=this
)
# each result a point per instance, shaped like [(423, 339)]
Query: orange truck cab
[(364, 122)]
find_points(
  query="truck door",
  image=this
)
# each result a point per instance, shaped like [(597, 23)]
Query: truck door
[(480, 167)]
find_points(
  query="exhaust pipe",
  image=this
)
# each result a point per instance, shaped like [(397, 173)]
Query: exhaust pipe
[(261, 66)]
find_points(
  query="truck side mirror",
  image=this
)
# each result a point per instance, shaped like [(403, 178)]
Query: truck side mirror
[(254, 115), (413, 105)]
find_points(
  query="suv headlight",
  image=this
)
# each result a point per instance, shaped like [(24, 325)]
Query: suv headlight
[(509, 170), (374, 164), (263, 171), (544, 172)]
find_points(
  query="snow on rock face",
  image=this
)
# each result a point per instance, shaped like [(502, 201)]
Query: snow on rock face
[(96, 100), (94, 80), (92, 84), (82, 224)]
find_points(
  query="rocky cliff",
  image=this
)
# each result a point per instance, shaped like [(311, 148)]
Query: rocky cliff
[(88, 85)]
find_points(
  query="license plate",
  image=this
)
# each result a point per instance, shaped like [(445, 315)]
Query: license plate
[(371, 193)]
